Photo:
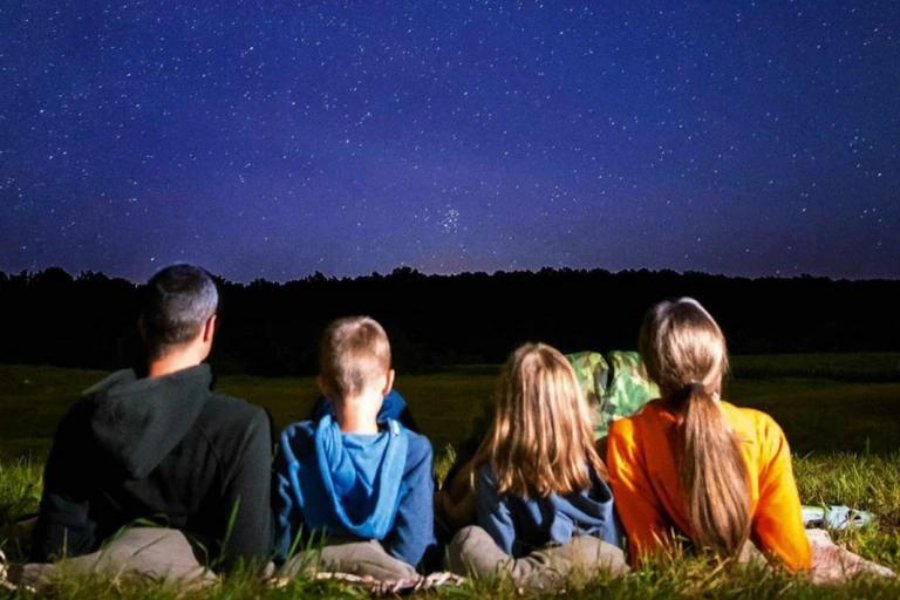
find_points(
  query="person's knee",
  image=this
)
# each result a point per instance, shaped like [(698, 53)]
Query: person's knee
[(472, 551), (363, 558), (145, 552), (556, 567), (590, 553)]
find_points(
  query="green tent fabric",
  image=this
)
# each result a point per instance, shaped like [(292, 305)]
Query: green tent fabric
[(615, 385)]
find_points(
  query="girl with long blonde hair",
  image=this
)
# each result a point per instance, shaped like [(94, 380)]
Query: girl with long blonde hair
[(538, 478), (693, 464)]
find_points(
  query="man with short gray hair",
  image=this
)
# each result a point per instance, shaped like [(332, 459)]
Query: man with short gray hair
[(161, 447)]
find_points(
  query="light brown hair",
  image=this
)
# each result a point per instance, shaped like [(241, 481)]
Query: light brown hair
[(354, 352), (684, 352), (541, 440)]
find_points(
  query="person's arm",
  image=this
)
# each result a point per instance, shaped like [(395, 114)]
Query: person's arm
[(247, 495), (777, 526), (635, 500), (413, 531), (395, 407), (287, 494), (493, 512), (456, 501), (65, 526)]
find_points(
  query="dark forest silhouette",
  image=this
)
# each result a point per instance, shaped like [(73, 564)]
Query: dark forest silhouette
[(50, 317)]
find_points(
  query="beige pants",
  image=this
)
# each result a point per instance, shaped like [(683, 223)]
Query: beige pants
[(474, 552), (144, 552), (363, 558)]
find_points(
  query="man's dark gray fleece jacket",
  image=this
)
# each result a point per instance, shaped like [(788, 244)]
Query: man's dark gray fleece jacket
[(167, 450)]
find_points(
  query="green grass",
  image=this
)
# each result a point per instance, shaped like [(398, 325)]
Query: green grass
[(871, 483), (862, 366), (843, 428)]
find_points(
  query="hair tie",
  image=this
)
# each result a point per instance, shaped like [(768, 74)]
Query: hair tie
[(699, 388)]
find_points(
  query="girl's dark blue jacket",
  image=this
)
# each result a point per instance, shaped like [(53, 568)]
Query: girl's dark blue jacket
[(522, 525)]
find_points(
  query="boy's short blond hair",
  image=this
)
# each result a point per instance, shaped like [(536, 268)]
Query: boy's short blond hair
[(355, 351)]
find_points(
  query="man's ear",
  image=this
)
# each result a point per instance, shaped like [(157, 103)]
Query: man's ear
[(209, 328), (388, 383)]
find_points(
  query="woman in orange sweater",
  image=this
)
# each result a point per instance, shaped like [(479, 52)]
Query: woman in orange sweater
[(692, 464)]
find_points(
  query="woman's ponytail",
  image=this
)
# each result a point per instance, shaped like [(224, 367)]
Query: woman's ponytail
[(713, 476), (684, 352)]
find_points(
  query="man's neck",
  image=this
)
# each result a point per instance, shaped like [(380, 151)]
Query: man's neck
[(171, 363)]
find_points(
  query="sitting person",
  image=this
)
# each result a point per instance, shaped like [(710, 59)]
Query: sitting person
[(696, 465), (614, 387), (365, 484), (161, 446), (539, 481)]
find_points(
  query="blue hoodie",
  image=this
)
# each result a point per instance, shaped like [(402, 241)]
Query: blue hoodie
[(522, 525), (355, 486)]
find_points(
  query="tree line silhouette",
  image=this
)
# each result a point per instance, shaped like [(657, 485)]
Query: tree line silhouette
[(434, 321)]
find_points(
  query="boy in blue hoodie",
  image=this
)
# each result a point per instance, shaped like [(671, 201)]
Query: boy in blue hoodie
[(363, 483)]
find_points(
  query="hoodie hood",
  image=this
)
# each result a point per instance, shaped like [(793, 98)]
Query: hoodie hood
[(589, 512), (344, 483), (139, 421), (362, 476)]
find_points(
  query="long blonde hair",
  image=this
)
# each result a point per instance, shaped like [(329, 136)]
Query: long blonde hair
[(541, 440), (684, 352)]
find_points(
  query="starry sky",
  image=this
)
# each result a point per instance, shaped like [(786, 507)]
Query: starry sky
[(271, 139)]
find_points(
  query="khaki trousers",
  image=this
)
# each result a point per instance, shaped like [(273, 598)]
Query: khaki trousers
[(474, 552), (144, 552)]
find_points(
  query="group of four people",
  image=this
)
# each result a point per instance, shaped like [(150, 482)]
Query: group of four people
[(355, 486)]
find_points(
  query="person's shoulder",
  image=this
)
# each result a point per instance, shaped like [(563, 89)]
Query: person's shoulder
[(117, 378), (298, 430), (226, 409), (418, 448), (75, 425), (296, 443), (647, 415), (225, 419), (86, 404), (756, 427), (752, 419)]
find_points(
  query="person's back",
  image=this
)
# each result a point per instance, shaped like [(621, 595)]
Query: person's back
[(644, 440), (164, 448), (542, 503), (519, 525), (366, 484), (718, 474), (355, 487)]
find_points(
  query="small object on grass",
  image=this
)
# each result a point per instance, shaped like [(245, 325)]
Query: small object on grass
[(835, 517)]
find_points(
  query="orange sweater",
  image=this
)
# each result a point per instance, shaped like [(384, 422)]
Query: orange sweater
[(648, 493)]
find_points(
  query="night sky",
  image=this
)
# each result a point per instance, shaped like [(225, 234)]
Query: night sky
[(271, 139)]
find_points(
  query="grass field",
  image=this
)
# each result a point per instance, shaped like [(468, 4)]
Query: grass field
[(841, 414)]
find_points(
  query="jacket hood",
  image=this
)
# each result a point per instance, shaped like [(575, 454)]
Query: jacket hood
[(590, 511), (343, 485), (364, 503), (139, 421)]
